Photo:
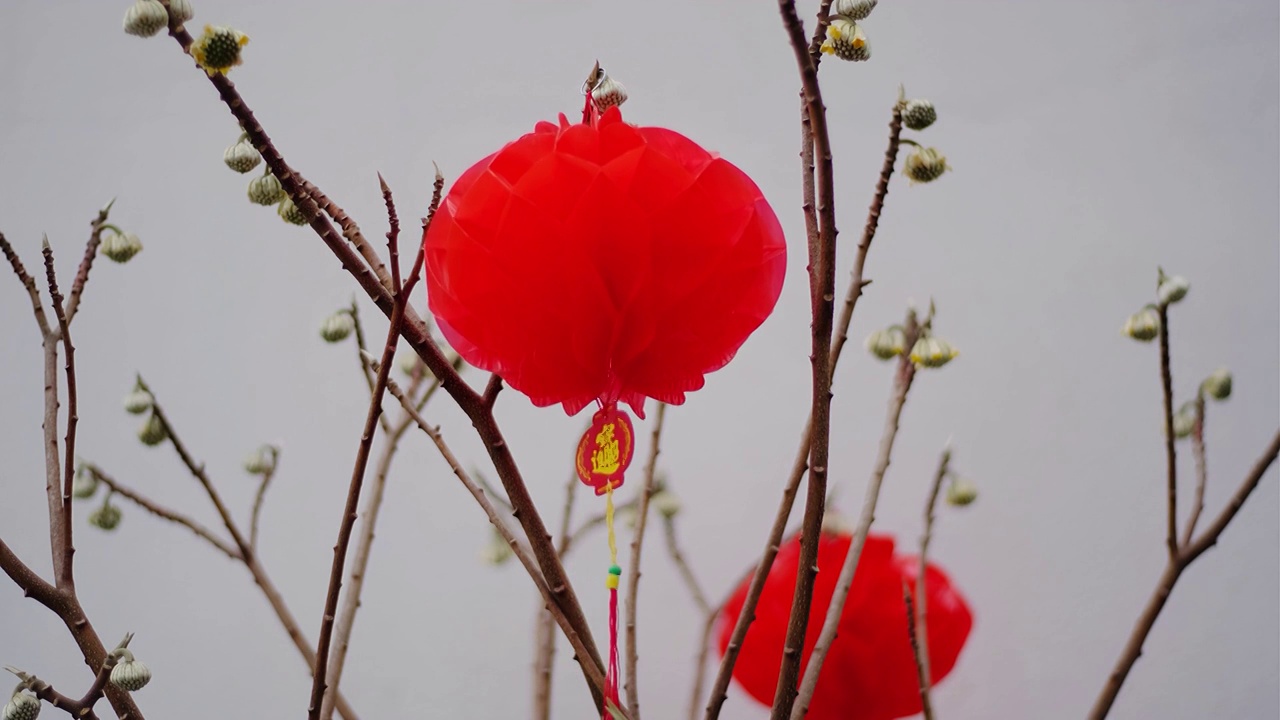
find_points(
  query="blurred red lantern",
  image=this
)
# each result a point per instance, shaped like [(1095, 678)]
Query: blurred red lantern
[(870, 671), (602, 262)]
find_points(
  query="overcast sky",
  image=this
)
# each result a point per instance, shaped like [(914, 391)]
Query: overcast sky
[(1091, 142)]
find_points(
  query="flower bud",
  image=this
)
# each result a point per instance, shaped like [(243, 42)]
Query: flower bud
[(152, 432), (85, 484), (1218, 384), (265, 190), (218, 49), (291, 213), (130, 674), (145, 18), (607, 93), (961, 492), (138, 401), (932, 352), (925, 165), (888, 343), (918, 114), (1184, 421), (666, 503), (846, 41), (181, 10), (23, 705), (120, 247), (106, 517), (1171, 288), (498, 551), (242, 157), (337, 327), (853, 9), (1143, 325), (261, 461)]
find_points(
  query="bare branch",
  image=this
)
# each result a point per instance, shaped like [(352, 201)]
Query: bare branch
[(916, 635), (544, 630), (65, 576), (1202, 472), (27, 282), (259, 498), (633, 579), (162, 512), (86, 264), (1171, 453)]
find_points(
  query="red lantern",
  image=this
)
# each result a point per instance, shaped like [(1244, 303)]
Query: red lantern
[(870, 671), (602, 262)]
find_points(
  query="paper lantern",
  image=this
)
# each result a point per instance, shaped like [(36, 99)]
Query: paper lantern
[(870, 671), (602, 262)]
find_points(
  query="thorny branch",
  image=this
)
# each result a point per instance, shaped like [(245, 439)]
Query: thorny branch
[(921, 616), (916, 636), (162, 512)]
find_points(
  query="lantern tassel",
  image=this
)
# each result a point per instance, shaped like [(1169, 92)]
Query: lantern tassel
[(611, 582)]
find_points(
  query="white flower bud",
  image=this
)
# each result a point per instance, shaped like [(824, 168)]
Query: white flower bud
[(666, 503), (120, 247), (106, 517), (1184, 421), (152, 432), (261, 461), (85, 484), (608, 93), (1172, 288), (337, 327), (932, 352), (242, 157), (853, 9), (22, 706), (265, 190), (497, 551), (1218, 384), (130, 674), (145, 18), (181, 10), (925, 165), (218, 49), (1143, 325), (918, 114), (961, 492), (846, 41), (887, 343), (138, 401), (291, 213)]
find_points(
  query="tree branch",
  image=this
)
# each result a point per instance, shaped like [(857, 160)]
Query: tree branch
[(1171, 454), (1202, 471), (544, 631), (28, 283), (916, 635), (86, 264), (633, 579), (162, 512), (65, 576), (921, 616)]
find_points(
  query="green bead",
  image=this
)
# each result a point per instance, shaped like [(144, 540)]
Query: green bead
[(615, 570)]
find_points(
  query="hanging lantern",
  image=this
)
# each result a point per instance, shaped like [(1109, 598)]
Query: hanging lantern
[(870, 671)]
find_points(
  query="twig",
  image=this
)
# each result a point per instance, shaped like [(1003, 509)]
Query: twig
[(260, 497), (544, 642), (81, 708), (917, 636), (491, 390), (1171, 453), (497, 496), (1172, 571), (720, 688), (922, 589), (350, 231), (162, 512), (86, 264), (357, 477), (1202, 471), (28, 283), (594, 673), (902, 385), (633, 579), (361, 350), (822, 284), (686, 573), (65, 577)]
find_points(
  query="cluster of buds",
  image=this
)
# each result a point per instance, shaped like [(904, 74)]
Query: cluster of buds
[(264, 190), (119, 246), (139, 400), (217, 50), (129, 674), (1218, 384), (845, 38), (146, 18), (888, 343), (338, 326), (23, 705), (1144, 325)]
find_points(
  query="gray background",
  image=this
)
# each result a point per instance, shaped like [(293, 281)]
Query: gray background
[(1091, 141)]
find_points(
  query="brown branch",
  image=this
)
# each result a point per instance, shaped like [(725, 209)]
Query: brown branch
[(260, 497), (822, 284), (28, 283), (162, 512), (65, 576), (350, 231), (704, 608), (81, 708), (1171, 453), (720, 688), (1202, 471), (1172, 571), (491, 390), (357, 478), (544, 630), (362, 349), (633, 575), (594, 672), (904, 376), (86, 264), (916, 635), (921, 617)]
